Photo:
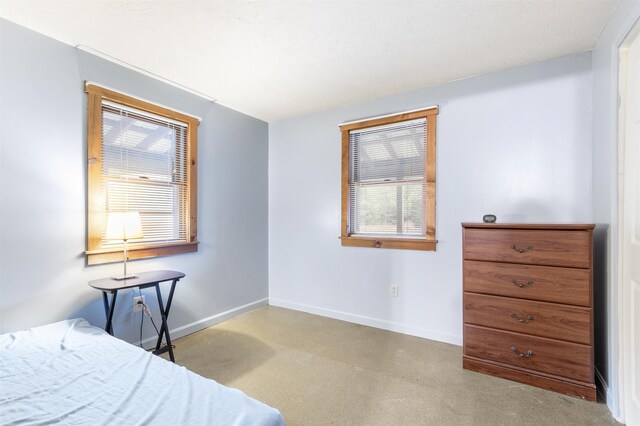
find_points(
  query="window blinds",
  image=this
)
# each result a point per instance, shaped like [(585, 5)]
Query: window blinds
[(386, 179), (144, 169)]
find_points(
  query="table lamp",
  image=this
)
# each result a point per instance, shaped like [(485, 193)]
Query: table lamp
[(124, 226)]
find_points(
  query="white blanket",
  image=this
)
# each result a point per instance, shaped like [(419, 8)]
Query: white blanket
[(72, 373)]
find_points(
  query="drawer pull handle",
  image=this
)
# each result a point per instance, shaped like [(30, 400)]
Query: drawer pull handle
[(520, 354), (377, 243), (522, 285), (522, 320), (521, 250)]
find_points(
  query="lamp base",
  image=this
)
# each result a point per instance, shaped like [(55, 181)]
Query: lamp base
[(122, 278)]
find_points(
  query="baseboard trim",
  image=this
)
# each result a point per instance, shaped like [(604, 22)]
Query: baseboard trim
[(603, 391), (371, 322), (207, 322)]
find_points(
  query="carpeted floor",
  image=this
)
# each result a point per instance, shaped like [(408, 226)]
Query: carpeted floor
[(320, 371)]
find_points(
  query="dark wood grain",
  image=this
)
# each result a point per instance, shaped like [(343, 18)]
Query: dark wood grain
[(555, 357), (551, 284), (547, 226), (540, 247), (563, 322), (546, 282), (140, 279), (568, 387)]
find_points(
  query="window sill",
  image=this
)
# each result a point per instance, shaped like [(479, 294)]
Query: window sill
[(390, 243), (96, 257)]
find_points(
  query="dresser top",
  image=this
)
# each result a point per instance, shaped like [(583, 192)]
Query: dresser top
[(554, 226)]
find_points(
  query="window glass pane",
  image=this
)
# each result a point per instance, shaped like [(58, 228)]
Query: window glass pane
[(387, 165), (389, 209), (391, 152), (144, 169), (160, 208)]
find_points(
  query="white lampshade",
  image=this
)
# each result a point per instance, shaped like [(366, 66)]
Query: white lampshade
[(123, 226)]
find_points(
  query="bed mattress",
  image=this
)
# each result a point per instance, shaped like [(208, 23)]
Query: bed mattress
[(70, 372)]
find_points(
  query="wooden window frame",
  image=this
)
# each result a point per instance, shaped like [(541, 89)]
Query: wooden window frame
[(429, 241), (96, 199)]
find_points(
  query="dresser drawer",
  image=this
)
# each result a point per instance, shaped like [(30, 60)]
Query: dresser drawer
[(550, 284), (551, 320), (569, 360), (538, 247)]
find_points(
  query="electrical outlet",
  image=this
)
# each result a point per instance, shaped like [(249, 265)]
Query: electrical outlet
[(138, 303), (393, 291)]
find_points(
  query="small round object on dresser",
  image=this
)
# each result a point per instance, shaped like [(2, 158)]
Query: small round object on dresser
[(489, 218)]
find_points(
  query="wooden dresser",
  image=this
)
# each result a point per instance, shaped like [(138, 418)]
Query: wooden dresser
[(528, 308)]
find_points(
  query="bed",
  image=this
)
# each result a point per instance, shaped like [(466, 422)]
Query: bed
[(70, 372)]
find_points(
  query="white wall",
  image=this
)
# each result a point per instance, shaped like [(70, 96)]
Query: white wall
[(515, 143), (605, 200), (43, 275)]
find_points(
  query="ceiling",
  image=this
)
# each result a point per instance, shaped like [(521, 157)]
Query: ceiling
[(279, 59)]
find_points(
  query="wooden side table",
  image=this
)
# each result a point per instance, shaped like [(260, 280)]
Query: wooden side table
[(142, 280)]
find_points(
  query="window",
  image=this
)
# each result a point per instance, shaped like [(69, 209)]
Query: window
[(141, 157), (389, 181)]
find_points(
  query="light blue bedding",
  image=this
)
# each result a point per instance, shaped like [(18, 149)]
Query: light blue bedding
[(72, 373)]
